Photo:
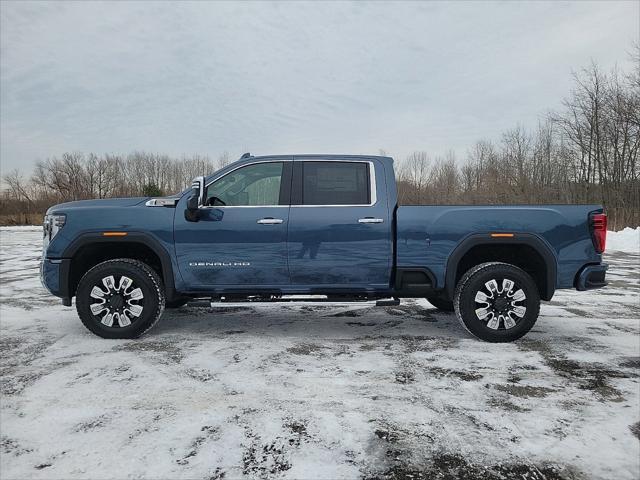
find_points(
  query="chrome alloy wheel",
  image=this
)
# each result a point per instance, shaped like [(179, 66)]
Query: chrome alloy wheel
[(117, 305), (500, 305)]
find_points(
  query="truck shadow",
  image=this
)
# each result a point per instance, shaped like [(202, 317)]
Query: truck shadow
[(309, 320)]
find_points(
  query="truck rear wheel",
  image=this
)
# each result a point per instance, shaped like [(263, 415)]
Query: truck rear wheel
[(121, 298), (497, 302)]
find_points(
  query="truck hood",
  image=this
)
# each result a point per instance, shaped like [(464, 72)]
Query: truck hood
[(102, 203)]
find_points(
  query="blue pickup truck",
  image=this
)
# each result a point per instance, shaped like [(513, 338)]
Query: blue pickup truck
[(277, 228)]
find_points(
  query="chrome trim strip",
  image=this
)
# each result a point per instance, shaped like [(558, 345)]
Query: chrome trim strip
[(162, 202), (245, 165), (372, 183), (244, 206)]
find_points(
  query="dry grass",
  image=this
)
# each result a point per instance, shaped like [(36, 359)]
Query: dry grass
[(20, 219)]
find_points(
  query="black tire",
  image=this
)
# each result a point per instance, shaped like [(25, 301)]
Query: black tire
[(177, 303), (477, 280), (142, 277), (441, 304)]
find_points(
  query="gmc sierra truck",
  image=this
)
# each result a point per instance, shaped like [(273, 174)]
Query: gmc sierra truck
[(277, 228)]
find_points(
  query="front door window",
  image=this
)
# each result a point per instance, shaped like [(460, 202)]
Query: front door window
[(251, 186)]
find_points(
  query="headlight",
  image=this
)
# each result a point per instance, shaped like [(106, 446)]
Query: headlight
[(52, 225)]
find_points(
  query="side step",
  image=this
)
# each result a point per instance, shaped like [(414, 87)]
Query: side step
[(388, 303), (212, 302)]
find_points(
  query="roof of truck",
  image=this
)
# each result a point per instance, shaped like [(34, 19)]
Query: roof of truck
[(326, 156)]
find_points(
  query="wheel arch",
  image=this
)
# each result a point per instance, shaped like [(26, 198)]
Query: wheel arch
[(93, 248), (485, 247)]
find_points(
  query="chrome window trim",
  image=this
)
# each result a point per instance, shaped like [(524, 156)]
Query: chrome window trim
[(244, 206), (372, 183), (246, 165)]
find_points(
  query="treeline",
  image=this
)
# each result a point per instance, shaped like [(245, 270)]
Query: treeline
[(76, 176), (587, 152)]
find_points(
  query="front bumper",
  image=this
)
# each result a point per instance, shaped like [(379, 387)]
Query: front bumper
[(592, 276), (54, 275)]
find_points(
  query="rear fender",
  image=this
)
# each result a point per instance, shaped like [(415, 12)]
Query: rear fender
[(530, 239)]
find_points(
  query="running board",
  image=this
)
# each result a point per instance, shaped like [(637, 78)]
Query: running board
[(212, 302)]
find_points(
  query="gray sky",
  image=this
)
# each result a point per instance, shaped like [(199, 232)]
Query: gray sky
[(289, 77)]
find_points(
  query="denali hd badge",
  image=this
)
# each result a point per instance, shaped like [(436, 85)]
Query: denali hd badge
[(219, 264)]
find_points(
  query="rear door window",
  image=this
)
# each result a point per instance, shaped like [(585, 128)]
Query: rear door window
[(335, 183)]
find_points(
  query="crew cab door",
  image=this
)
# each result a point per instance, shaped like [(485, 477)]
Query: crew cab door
[(241, 236), (339, 225)]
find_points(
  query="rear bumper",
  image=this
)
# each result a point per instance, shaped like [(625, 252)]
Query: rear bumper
[(592, 276)]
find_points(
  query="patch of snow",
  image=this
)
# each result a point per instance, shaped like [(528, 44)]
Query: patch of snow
[(627, 240), (317, 390), (21, 228)]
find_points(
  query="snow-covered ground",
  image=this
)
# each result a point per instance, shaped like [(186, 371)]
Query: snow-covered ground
[(319, 391)]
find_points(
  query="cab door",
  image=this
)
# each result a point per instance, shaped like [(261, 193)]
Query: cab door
[(339, 225), (240, 239)]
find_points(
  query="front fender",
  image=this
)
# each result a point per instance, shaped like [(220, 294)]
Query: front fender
[(141, 238)]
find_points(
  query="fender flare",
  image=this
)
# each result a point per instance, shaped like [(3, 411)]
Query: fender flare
[(532, 240), (141, 238)]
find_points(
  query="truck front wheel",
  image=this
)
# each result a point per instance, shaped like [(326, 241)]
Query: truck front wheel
[(121, 298), (497, 302)]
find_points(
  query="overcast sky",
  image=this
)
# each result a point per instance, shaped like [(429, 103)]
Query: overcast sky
[(289, 77)]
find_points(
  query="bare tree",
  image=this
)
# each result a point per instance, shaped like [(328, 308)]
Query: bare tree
[(415, 172), (17, 186)]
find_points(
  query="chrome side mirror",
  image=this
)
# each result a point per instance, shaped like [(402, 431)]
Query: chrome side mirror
[(196, 200), (198, 186)]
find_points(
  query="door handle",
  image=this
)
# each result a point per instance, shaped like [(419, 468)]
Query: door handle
[(370, 220), (270, 221)]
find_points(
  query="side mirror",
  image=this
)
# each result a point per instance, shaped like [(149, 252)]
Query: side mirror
[(195, 201), (192, 212)]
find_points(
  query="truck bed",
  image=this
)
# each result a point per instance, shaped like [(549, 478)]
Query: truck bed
[(429, 235)]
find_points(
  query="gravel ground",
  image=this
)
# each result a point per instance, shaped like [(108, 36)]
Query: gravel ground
[(318, 391)]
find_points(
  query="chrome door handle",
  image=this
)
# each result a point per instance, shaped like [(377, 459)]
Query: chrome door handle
[(270, 221), (370, 220)]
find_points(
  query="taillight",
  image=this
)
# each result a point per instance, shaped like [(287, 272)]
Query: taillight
[(599, 231)]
